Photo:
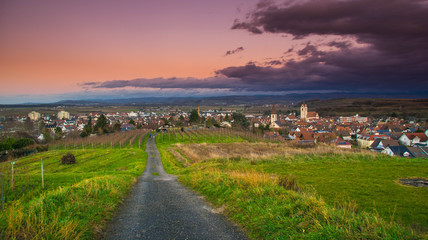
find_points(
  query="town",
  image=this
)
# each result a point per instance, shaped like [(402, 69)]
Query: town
[(388, 135)]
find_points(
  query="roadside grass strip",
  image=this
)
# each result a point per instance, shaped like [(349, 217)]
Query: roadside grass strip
[(267, 210), (74, 212)]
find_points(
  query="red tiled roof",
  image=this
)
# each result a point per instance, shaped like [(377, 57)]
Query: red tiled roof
[(421, 136)]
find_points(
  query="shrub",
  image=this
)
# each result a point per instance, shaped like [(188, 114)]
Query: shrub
[(68, 159), (42, 148), (23, 142)]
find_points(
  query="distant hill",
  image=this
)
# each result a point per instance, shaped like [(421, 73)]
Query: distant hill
[(288, 99), (370, 107), (235, 100)]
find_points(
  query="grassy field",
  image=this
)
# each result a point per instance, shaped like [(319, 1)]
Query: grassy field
[(77, 199), (278, 191)]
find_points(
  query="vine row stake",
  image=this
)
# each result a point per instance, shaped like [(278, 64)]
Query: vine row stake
[(43, 177), (2, 195), (11, 182)]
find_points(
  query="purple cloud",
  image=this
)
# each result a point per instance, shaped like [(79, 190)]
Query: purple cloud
[(230, 52), (377, 45), (392, 37)]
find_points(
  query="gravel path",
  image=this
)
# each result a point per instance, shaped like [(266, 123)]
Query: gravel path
[(159, 207)]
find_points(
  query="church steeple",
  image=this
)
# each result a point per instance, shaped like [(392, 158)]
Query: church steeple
[(304, 113), (273, 115)]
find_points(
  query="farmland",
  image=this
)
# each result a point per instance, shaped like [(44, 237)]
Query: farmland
[(70, 201), (252, 182), (273, 190)]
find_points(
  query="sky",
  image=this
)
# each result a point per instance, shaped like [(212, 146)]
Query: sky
[(54, 50)]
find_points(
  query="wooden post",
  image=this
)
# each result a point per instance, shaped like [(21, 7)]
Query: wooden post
[(2, 194), (11, 181), (43, 176)]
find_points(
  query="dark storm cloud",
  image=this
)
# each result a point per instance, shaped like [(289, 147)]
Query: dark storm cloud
[(340, 44), (230, 52), (274, 63), (379, 45), (392, 37)]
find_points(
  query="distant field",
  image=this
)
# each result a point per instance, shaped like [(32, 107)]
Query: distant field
[(357, 181), (371, 107), (77, 199)]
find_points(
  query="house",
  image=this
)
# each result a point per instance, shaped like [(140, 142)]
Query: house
[(324, 137), (419, 152), (339, 142), (291, 118), (399, 151), (277, 125), (409, 139), (395, 135), (380, 144), (345, 134), (226, 124), (273, 136), (364, 141), (305, 136), (51, 127)]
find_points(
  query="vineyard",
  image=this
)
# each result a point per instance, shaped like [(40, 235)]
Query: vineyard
[(118, 140), (105, 166), (207, 135)]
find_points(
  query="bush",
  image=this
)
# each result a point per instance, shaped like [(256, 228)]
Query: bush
[(23, 142), (42, 148), (68, 159), (12, 143)]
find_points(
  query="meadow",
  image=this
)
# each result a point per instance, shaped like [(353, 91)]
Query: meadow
[(70, 201), (278, 190)]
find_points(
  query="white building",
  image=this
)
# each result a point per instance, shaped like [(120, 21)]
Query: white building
[(63, 115), (34, 116)]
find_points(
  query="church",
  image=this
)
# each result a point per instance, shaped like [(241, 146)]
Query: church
[(274, 122), (306, 116)]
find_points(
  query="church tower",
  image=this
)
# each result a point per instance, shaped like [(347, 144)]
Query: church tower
[(304, 112), (273, 115)]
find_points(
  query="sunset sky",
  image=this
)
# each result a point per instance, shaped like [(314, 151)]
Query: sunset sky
[(86, 49)]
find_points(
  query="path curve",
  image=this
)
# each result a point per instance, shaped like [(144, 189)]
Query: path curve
[(159, 207)]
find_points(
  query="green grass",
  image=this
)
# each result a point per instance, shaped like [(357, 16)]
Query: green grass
[(353, 195), (371, 182), (77, 199), (269, 211)]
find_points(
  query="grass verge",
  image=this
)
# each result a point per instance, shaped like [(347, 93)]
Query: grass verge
[(347, 195)]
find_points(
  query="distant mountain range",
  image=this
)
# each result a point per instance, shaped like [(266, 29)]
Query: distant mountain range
[(224, 100)]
